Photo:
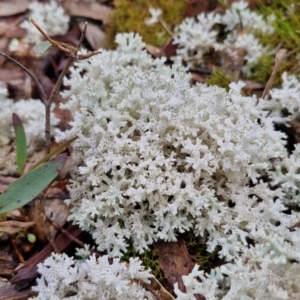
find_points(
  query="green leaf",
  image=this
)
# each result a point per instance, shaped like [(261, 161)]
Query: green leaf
[(55, 152), (20, 142), (29, 186), (42, 47)]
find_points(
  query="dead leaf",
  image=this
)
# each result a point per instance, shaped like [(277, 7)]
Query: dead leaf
[(175, 262), (154, 51), (195, 7), (9, 292), (92, 10), (12, 227), (295, 124), (168, 49), (5, 181), (251, 85), (13, 7), (4, 26), (8, 259), (56, 209), (94, 35), (198, 78), (7, 75), (17, 82)]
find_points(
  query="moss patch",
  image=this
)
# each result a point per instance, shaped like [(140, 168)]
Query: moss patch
[(131, 15)]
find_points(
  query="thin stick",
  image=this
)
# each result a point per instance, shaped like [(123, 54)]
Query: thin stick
[(70, 236), (40, 30), (62, 46), (56, 88), (39, 86), (82, 36), (280, 56), (166, 27)]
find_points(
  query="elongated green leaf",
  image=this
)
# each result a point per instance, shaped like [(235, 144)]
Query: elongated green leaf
[(53, 153), (27, 187), (42, 47), (20, 142)]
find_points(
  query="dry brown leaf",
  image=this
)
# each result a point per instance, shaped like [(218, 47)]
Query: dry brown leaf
[(195, 7), (5, 181), (8, 259), (198, 78), (92, 10), (94, 35), (12, 227), (13, 7), (168, 49), (56, 209), (251, 85), (20, 88), (154, 51), (3, 46), (296, 128), (9, 292), (175, 262), (4, 26), (11, 75)]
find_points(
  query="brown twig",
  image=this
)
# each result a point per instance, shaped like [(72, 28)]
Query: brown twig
[(68, 49), (70, 236), (16, 249), (56, 88), (280, 56), (39, 86), (40, 30), (155, 288), (166, 27)]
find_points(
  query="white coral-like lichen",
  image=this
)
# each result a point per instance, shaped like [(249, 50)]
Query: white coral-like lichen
[(197, 37), (269, 271), (284, 105), (155, 15), (50, 17), (285, 101), (158, 157), (286, 173), (239, 14), (64, 278)]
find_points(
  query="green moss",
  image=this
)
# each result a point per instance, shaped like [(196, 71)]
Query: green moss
[(286, 23), (219, 78), (198, 253), (261, 71), (286, 35), (131, 15), (196, 248), (149, 259)]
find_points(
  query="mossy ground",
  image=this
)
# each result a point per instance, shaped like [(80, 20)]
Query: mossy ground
[(196, 248), (131, 15), (285, 15)]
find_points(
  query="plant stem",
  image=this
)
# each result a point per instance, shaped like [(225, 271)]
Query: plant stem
[(280, 56), (48, 101), (39, 86), (56, 88)]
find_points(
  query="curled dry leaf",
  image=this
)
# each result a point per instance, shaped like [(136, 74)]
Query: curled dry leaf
[(92, 10), (12, 227), (13, 7)]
